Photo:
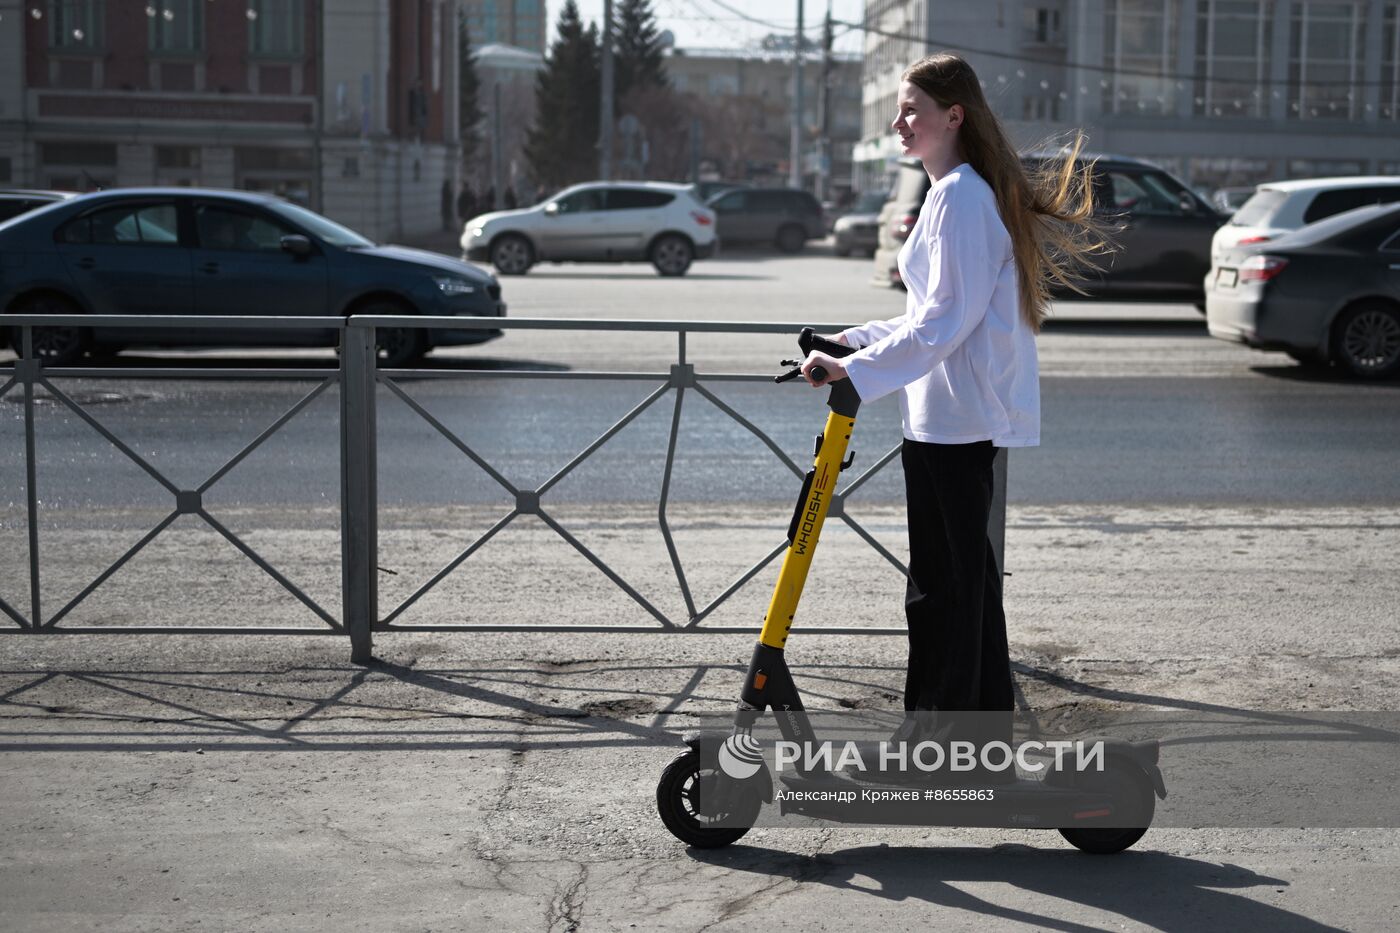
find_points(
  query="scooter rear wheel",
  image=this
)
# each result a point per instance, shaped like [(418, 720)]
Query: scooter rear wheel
[(1128, 787), (678, 801)]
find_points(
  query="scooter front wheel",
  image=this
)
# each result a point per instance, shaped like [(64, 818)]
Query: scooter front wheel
[(680, 796)]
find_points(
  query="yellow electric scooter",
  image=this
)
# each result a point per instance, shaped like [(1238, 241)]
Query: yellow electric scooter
[(711, 794)]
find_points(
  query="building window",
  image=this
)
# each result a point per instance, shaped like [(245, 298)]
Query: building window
[(177, 157), (1140, 50), (1324, 61), (1232, 59), (75, 25), (176, 26), (276, 27), (77, 166)]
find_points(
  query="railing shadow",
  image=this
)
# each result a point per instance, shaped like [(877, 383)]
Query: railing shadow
[(1154, 889)]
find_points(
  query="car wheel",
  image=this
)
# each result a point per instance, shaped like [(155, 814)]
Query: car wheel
[(396, 347), (54, 346), (840, 250), (1367, 340), (512, 255), (672, 255), (790, 238)]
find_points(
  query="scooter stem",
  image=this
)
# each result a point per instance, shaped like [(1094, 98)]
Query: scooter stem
[(812, 508)]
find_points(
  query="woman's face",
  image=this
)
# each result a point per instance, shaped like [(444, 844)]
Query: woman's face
[(927, 131)]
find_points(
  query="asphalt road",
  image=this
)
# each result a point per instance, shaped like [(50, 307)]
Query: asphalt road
[(1139, 405)]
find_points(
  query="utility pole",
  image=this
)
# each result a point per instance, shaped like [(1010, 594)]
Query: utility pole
[(497, 173), (605, 109), (795, 147), (824, 112)]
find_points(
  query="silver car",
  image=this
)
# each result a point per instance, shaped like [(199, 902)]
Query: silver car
[(642, 221), (859, 231)]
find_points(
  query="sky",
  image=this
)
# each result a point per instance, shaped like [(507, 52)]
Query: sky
[(728, 24)]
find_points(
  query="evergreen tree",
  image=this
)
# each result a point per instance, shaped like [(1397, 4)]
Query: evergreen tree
[(638, 62), (469, 111), (562, 145)]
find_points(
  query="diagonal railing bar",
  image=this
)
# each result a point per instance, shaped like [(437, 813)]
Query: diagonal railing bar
[(8, 386), (870, 540), (10, 611), (755, 430), (607, 571), (604, 438), (452, 438), (104, 575), (666, 494), (450, 566), (270, 570), (112, 438), (272, 429), (856, 483), (734, 587)]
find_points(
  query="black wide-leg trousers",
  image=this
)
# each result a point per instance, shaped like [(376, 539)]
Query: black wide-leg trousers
[(958, 658)]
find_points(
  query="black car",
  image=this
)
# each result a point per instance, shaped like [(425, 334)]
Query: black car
[(16, 201), (783, 217), (1326, 292), (1161, 229), (188, 251)]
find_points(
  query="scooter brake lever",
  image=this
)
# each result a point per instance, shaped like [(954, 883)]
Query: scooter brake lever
[(790, 374)]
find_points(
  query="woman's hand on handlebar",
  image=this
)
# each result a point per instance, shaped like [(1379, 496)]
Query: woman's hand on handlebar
[(834, 368)]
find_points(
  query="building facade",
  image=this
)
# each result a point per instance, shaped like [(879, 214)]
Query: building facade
[(752, 95), (1220, 92), (521, 23), (347, 106)]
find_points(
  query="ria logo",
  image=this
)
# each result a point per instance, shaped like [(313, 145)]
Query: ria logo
[(740, 756)]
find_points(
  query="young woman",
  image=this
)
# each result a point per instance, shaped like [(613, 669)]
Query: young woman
[(978, 265)]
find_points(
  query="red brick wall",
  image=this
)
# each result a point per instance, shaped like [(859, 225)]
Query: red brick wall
[(125, 56), (411, 66)]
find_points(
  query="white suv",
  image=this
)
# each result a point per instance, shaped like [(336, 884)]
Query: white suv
[(1281, 206), (644, 221)]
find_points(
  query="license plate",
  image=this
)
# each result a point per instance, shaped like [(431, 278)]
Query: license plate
[(1226, 278)]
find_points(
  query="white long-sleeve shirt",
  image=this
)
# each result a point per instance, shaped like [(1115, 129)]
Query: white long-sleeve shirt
[(962, 353)]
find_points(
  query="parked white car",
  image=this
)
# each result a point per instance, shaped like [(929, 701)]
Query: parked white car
[(644, 221), (1278, 207)]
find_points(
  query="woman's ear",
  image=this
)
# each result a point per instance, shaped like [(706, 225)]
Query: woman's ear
[(955, 116)]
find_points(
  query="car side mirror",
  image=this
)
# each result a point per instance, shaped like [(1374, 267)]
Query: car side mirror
[(551, 209), (1187, 204), (296, 244)]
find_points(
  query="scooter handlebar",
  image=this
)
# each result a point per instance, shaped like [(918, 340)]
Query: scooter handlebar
[(809, 340)]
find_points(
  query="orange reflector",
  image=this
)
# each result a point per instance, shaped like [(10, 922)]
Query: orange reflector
[(1090, 814), (759, 680)]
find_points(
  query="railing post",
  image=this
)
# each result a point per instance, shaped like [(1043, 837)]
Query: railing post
[(28, 367), (996, 522), (359, 526)]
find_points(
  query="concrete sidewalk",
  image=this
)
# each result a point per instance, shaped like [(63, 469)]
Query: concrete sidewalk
[(505, 781)]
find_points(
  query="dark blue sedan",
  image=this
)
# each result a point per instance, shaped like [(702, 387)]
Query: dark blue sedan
[(140, 251)]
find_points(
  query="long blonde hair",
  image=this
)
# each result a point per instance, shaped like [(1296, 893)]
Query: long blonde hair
[(1049, 213)]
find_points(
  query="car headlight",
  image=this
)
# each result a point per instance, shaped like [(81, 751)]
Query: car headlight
[(450, 285), (478, 232)]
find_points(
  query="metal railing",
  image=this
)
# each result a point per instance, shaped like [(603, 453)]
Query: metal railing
[(358, 378)]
